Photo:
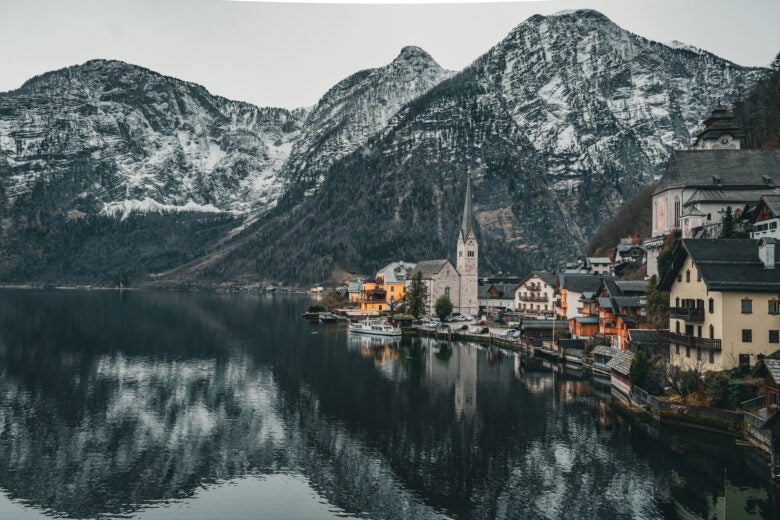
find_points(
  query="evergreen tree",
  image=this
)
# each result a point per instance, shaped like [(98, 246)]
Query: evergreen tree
[(416, 296), (657, 305), (640, 369), (727, 224), (443, 307)]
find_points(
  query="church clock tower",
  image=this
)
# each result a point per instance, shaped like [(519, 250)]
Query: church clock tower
[(468, 258)]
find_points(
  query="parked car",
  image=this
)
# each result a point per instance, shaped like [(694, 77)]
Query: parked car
[(478, 330), (463, 327)]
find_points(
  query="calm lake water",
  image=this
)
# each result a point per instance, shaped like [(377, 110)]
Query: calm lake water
[(205, 406)]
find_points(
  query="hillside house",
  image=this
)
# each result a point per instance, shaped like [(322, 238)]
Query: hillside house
[(724, 306), (698, 185)]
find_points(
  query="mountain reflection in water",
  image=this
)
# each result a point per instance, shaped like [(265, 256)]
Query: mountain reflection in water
[(174, 405)]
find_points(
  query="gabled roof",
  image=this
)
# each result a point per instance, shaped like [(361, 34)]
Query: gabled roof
[(725, 265), (599, 260), (506, 291), (603, 350), (430, 268), (716, 169), (586, 320), (580, 283), (773, 368), (772, 203), (631, 287), (396, 272), (621, 362), (547, 277), (630, 301)]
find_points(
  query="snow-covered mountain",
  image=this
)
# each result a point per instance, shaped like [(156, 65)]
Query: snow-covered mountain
[(354, 110), (109, 133), (560, 122)]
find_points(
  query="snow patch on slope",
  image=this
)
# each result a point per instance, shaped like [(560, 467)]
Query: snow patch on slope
[(125, 208)]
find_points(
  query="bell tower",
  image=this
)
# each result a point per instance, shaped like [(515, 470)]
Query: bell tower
[(468, 257)]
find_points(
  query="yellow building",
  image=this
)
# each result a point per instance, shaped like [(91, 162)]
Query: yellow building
[(389, 287), (724, 309)]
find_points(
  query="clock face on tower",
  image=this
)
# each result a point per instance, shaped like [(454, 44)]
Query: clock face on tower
[(724, 140)]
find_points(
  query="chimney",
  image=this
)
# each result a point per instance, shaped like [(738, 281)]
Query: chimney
[(766, 252)]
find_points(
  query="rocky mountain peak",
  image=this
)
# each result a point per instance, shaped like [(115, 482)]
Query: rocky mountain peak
[(415, 55)]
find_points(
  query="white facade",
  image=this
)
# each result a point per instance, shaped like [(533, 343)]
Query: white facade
[(535, 295)]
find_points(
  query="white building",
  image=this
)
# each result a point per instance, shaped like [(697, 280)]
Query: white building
[(698, 185), (536, 293)]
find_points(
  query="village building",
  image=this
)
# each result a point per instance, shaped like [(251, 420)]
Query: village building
[(699, 185), (599, 264), (536, 293), (724, 306), (612, 312), (441, 279), (354, 289), (386, 290), (496, 296), (574, 289), (620, 368), (767, 215), (602, 355), (629, 250)]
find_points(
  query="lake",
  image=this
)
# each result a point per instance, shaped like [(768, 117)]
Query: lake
[(199, 406)]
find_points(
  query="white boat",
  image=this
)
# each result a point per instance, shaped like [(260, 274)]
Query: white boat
[(374, 328)]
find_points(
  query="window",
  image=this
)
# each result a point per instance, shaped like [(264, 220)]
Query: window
[(712, 332), (447, 292), (698, 353), (460, 254), (774, 307), (679, 277), (712, 305), (687, 351), (712, 356), (392, 288), (699, 331), (676, 212), (677, 349), (747, 335), (698, 276), (677, 325), (471, 253), (747, 306), (774, 336), (688, 276)]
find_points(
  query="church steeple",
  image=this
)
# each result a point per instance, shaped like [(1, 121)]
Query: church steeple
[(468, 257), (721, 130), (467, 224)]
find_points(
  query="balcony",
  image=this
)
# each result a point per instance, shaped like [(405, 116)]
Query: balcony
[(693, 341), (373, 296), (686, 313), (533, 299), (534, 287)]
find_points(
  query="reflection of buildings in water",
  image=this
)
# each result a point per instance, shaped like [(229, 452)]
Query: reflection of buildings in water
[(571, 389), (538, 382), (466, 382), (606, 416)]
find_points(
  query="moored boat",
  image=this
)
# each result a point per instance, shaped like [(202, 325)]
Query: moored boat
[(374, 328)]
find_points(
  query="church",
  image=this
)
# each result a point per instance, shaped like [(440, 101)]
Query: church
[(699, 184), (458, 282)]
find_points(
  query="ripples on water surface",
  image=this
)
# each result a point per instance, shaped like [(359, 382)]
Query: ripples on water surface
[(190, 406)]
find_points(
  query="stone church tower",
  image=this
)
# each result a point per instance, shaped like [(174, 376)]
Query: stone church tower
[(468, 258)]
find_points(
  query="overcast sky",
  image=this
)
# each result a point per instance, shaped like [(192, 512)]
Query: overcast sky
[(275, 54)]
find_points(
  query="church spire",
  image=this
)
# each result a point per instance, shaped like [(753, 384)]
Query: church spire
[(467, 225)]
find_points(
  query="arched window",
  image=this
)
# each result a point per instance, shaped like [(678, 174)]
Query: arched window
[(712, 332), (447, 292), (677, 212)]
